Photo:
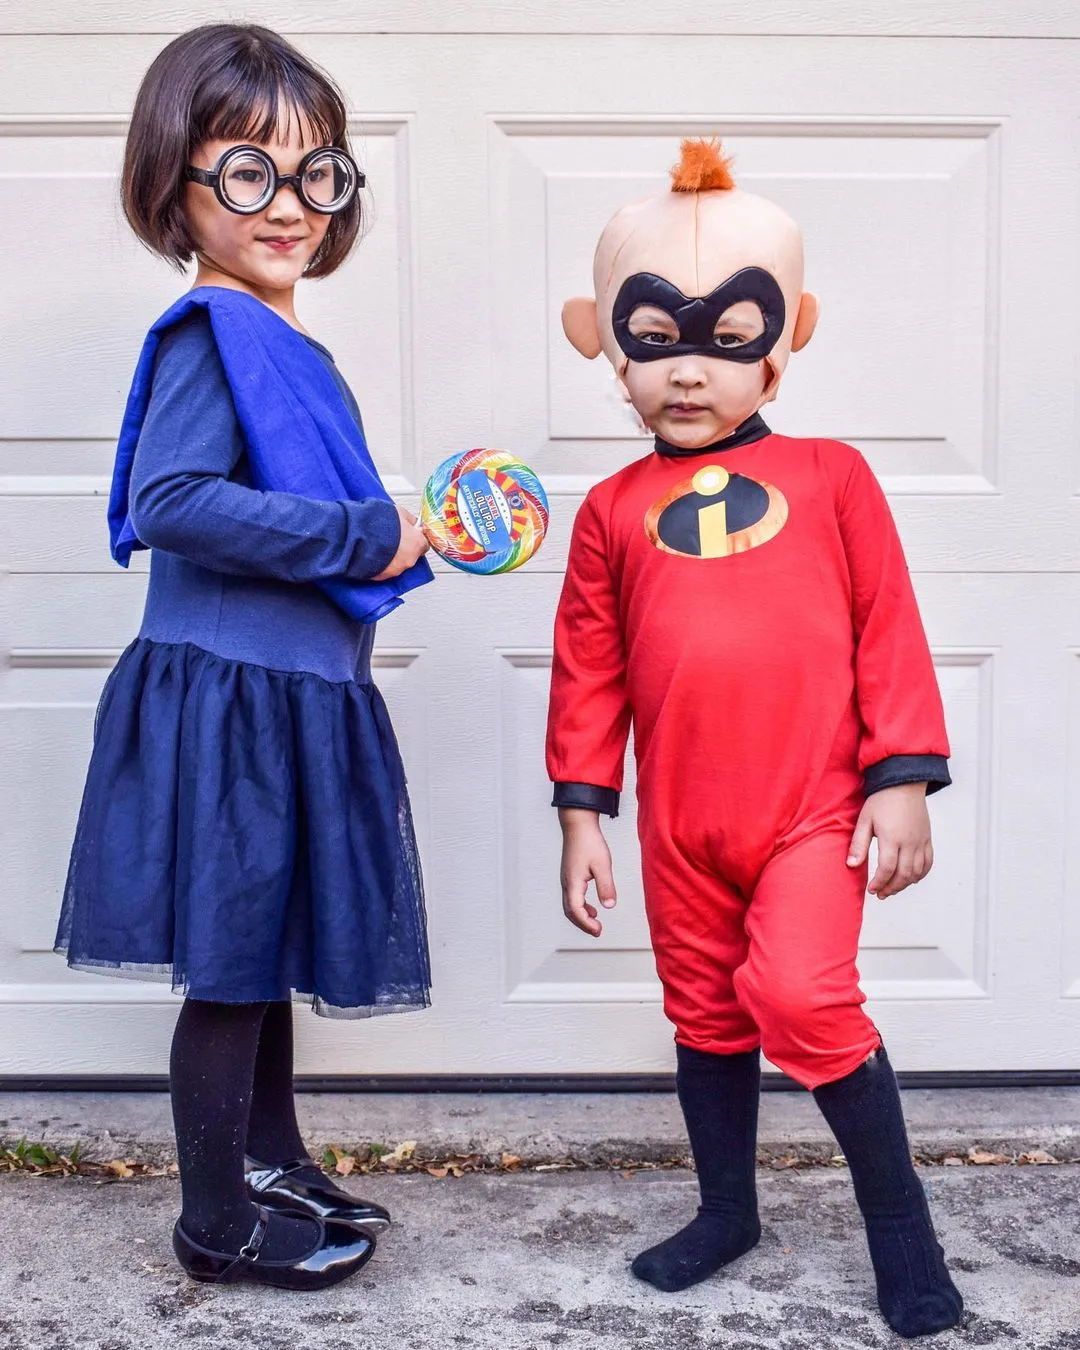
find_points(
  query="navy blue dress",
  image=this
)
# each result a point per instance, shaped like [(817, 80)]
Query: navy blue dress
[(245, 828)]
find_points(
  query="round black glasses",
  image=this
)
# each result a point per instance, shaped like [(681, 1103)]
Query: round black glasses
[(245, 179)]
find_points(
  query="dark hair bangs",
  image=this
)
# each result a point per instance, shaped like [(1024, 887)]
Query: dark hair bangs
[(264, 99)]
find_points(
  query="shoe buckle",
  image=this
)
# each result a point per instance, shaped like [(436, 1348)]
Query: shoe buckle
[(250, 1250)]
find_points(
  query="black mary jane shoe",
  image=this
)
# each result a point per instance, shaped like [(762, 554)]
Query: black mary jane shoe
[(277, 1187), (339, 1251)]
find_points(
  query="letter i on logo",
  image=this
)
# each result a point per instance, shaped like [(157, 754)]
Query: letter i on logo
[(712, 520)]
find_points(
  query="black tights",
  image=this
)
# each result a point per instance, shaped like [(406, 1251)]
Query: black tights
[(230, 1075), (273, 1135)]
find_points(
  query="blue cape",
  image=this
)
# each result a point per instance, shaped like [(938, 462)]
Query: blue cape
[(299, 434)]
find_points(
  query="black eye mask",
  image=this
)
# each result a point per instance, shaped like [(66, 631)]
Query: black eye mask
[(696, 317)]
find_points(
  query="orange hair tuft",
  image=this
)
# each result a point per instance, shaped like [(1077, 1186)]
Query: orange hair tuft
[(702, 168)]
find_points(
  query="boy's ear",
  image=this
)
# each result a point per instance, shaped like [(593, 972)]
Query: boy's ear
[(809, 309), (579, 325)]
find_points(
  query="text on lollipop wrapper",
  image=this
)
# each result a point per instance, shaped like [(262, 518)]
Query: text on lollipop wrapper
[(484, 510)]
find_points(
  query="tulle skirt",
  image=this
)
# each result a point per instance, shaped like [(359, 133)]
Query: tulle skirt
[(247, 834)]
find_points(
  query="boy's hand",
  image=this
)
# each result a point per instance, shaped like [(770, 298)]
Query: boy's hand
[(898, 817), (411, 547), (585, 857)]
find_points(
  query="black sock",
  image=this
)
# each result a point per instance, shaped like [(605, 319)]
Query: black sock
[(210, 1076), (915, 1293), (273, 1135), (719, 1098)]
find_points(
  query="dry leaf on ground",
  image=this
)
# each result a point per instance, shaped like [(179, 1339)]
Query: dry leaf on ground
[(982, 1158)]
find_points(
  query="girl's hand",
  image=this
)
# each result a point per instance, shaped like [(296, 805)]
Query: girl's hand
[(411, 547), (901, 822), (585, 857)]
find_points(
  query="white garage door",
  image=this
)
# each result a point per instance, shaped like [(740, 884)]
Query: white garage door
[(933, 159)]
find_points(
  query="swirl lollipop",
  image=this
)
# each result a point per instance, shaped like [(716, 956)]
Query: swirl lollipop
[(484, 511)]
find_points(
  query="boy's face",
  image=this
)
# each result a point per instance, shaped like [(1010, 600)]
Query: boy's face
[(692, 400), (708, 274)]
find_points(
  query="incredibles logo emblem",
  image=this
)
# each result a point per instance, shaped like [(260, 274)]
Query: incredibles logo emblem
[(715, 514)]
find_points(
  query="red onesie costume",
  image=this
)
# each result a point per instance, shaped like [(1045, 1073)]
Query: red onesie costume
[(763, 683), (749, 610)]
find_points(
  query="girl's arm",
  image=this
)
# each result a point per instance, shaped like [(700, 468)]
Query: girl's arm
[(183, 502)]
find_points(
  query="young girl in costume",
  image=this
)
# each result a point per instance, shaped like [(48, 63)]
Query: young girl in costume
[(245, 828), (742, 598)]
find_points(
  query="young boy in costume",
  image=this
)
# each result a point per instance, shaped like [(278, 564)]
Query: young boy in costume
[(742, 598)]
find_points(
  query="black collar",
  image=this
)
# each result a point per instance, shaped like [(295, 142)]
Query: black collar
[(753, 429)]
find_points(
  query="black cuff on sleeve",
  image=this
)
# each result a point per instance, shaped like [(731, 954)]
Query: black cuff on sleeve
[(587, 798), (933, 770)]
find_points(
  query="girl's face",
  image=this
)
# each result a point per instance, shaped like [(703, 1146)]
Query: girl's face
[(267, 252)]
